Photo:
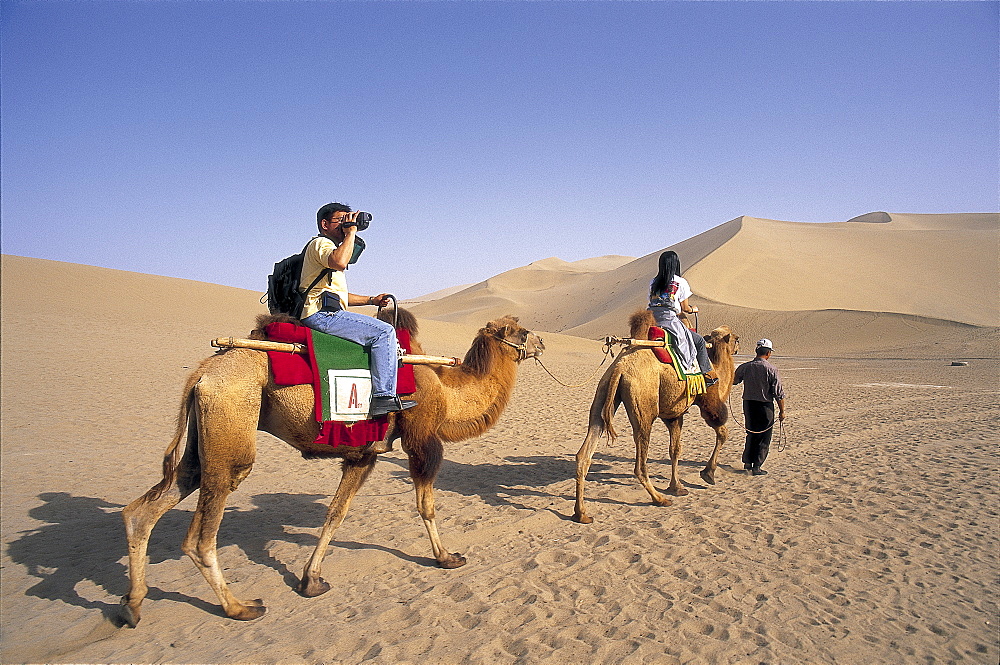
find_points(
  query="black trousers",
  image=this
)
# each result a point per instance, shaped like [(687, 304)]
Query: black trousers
[(758, 416)]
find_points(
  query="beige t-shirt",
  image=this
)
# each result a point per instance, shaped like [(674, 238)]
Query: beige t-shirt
[(316, 260)]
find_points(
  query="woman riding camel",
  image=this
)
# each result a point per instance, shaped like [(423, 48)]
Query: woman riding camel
[(668, 301)]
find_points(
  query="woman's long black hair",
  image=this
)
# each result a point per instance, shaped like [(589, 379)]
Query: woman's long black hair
[(670, 265)]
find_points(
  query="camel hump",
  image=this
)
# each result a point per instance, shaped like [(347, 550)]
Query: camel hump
[(402, 319), (264, 320), (639, 324)]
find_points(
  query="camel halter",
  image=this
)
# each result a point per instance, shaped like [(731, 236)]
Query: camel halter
[(522, 349)]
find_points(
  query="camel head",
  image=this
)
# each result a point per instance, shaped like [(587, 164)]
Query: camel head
[(722, 339), (508, 331)]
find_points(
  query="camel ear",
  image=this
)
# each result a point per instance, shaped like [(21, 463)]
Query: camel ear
[(505, 331), (495, 329)]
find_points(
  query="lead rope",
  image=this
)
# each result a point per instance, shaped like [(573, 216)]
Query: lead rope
[(782, 437), (607, 354)]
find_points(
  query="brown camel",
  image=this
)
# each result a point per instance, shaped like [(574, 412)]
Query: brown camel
[(232, 394), (650, 390)]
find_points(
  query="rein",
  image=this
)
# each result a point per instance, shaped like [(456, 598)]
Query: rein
[(522, 354), (607, 354), (782, 437)]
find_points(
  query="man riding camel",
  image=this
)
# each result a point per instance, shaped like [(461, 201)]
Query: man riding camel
[(326, 303)]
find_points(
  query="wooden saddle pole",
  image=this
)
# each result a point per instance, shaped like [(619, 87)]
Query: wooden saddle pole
[(292, 347)]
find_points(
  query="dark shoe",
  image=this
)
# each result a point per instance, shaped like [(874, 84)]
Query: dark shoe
[(757, 471), (388, 404), (747, 467)]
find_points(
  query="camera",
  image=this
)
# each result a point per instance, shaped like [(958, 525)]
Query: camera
[(362, 220)]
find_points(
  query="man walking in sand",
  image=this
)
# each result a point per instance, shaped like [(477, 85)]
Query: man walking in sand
[(761, 388)]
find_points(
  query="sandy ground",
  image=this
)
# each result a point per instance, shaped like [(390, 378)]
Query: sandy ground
[(874, 539)]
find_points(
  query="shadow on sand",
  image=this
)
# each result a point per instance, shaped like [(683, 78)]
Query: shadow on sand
[(515, 478), (60, 553)]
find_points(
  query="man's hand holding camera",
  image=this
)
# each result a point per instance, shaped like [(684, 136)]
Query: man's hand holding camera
[(358, 220)]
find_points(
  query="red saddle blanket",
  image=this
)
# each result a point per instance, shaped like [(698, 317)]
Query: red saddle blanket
[(292, 369), (658, 335)]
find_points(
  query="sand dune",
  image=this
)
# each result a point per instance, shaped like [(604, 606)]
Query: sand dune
[(435, 295), (877, 284), (523, 291), (936, 266)]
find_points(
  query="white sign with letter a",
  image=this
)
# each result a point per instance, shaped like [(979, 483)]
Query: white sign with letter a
[(350, 394)]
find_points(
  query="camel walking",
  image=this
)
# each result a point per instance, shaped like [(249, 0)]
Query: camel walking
[(232, 395), (650, 390)]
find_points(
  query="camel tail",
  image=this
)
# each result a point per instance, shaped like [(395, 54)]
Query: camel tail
[(609, 383), (172, 456)]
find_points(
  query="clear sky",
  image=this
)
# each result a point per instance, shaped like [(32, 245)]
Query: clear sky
[(197, 139)]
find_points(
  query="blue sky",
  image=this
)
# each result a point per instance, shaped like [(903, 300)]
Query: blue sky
[(197, 139)]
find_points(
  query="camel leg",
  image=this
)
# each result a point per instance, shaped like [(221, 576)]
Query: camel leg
[(227, 420), (641, 429), (200, 545), (584, 457), (425, 460), (708, 473), (140, 517), (715, 413), (354, 475), (674, 425)]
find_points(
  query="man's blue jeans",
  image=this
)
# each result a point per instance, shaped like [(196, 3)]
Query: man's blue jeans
[(378, 336)]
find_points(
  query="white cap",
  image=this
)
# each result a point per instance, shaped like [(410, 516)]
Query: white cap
[(765, 343)]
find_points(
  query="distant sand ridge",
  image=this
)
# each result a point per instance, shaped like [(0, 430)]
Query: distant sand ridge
[(878, 284), (936, 266)]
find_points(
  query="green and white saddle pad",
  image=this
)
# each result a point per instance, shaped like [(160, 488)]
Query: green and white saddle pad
[(345, 377)]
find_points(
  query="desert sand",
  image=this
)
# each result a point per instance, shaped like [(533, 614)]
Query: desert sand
[(874, 538)]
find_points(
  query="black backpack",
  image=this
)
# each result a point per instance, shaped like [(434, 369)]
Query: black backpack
[(283, 293)]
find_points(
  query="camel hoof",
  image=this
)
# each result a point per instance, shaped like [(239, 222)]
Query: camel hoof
[(313, 588), (662, 501), (253, 609), (708, 477), (453, 561), (677, 491), (582, 518), (129, 617)]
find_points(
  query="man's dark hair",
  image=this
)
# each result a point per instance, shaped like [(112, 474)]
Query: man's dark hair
[(327, 211), (763, 350)]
